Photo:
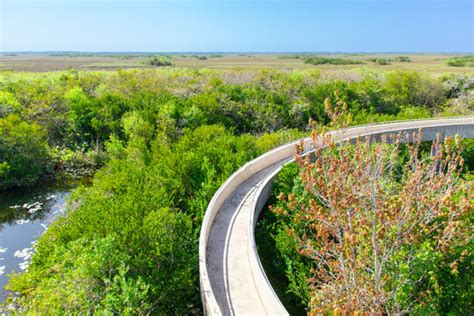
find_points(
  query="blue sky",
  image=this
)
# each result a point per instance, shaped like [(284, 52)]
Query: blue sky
[(231, 26)]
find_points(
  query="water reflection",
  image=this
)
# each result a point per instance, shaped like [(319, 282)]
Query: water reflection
[(24, 216)]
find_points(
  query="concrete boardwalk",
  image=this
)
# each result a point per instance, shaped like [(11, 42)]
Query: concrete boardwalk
[(235, 280), (232, 279)]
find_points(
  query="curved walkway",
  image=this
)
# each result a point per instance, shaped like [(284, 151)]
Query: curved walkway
[(232, 279)]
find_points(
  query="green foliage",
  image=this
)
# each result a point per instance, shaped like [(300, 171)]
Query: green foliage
[(388, 61), (76, 164), (406, 113), (315, 60), (164, 140), (289, 57), (24, 152), (82, 110), (137, 225), (8, 104), (461, 61), (382, 61), (409, 88), (403, 59), (468, 154), (158, 62)]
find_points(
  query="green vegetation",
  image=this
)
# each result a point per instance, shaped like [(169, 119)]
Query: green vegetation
[(380, 61), (216, 56), (130, 244), (315, 60), (403, 59), (289, 57), (463, 61), (24, 152), (200, 57), (163, 141), (158, 62), (388, 61)]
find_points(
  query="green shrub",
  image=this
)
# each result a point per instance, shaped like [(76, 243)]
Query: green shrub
[(411, 88), (130, 242), (289, 57), (24, 152), (403, 59), (8, 104), (383, 62), (314, 60), (158, 62), (380, 61), (462, 61)]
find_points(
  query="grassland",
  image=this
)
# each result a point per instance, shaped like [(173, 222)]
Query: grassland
[(23, 62)]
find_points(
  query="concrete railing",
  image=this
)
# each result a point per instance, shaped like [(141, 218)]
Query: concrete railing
[(284, 154), (244, 173)]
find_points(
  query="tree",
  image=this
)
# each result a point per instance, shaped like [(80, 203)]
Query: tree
[(379, 229), (24, 152)]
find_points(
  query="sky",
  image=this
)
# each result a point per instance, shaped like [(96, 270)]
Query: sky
[(237, 26)]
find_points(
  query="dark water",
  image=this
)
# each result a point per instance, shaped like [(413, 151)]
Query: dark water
[(24, 216)]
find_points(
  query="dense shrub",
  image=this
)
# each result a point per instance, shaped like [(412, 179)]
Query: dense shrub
[(314, 60), (403, 59), (460, 93), (8, 104), (388, 61), (158, 62), (289, 57), (382, 61), (80, 111), (461, 61), (130, 243), (408, 88), (164, 140), (24, 152)]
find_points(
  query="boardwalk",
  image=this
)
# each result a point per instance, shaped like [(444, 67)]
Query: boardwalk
[(232, 279)]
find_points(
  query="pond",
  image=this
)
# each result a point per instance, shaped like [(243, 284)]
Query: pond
[(24, 216)]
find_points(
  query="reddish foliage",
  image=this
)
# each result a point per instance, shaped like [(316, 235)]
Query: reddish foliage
[(362, 205)]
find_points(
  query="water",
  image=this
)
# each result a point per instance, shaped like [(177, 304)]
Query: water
[(24, 216)]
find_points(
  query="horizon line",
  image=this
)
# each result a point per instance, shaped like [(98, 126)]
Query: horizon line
[(233, 52)]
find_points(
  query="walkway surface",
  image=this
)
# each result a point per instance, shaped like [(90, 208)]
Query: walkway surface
[(237, 291), (231, 274)]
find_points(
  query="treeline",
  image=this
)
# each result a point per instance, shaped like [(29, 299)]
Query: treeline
[(315, 60), (318, 60), (164, 141), (78, 112), (388, 61)]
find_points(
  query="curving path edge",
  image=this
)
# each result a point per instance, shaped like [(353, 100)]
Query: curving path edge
[(232, 279)]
